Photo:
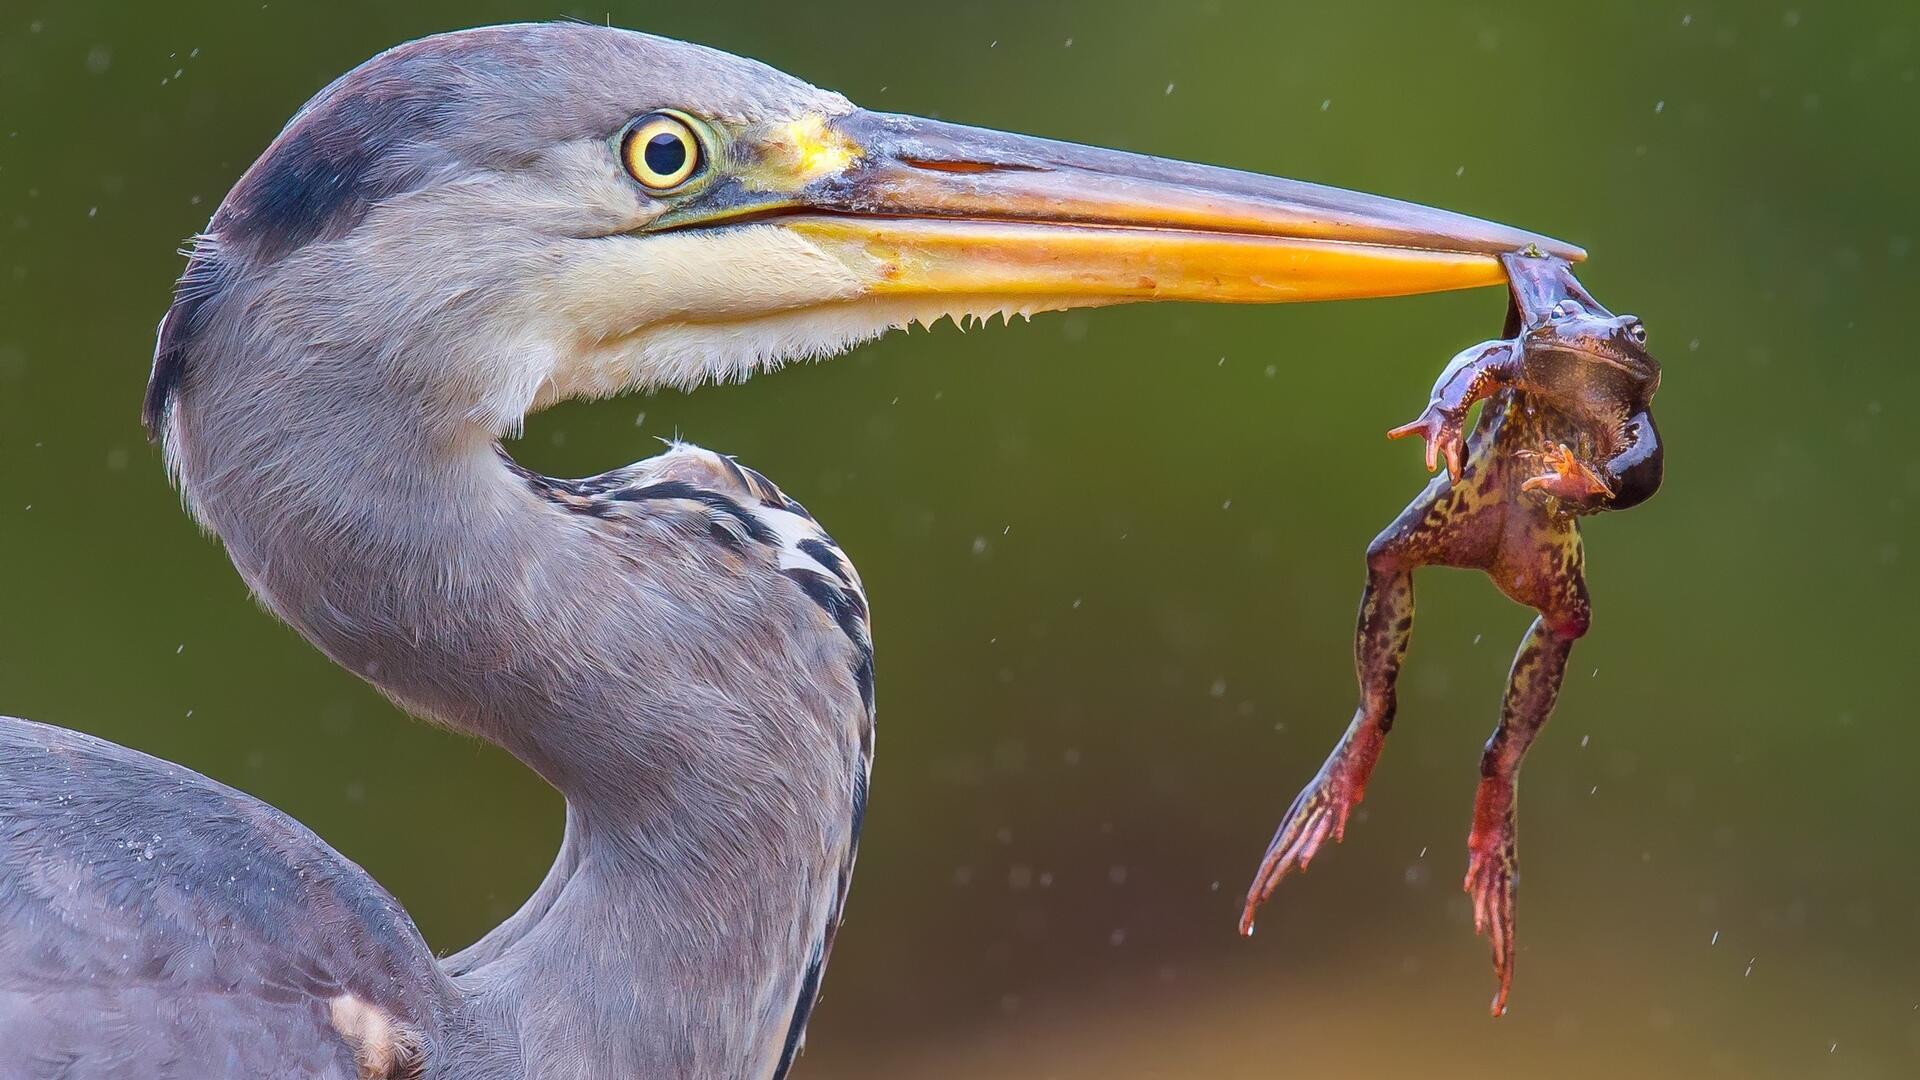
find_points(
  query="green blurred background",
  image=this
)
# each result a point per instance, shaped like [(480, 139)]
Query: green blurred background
[(1114, 555)]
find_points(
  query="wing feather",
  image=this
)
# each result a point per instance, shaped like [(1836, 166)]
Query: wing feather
[(154, 923)]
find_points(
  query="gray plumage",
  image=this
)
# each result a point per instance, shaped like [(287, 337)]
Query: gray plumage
[(158, 923)]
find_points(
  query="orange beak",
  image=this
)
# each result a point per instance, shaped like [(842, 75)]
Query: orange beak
[(938, 209)]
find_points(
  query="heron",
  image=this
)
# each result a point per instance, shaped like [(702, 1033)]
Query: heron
[(457, 233)]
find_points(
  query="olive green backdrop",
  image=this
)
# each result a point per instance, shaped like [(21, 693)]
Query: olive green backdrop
[(1114, 555)]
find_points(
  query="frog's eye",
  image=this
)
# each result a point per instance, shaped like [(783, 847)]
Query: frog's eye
[(1637, 330), (1567, 309), (661, 151)]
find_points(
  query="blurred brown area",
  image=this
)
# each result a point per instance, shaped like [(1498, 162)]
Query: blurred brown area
[(1113, 556)]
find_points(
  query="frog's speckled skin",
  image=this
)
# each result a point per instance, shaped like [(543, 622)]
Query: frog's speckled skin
[(1566, 431)]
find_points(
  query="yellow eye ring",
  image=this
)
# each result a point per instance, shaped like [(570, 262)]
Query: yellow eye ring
[(661, 151)]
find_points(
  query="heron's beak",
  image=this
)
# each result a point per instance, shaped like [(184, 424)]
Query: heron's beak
[(925, 208)]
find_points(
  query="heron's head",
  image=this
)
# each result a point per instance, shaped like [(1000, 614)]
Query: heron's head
[(524, 214)]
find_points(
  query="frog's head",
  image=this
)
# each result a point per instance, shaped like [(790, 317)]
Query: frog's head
[(1615, 341)]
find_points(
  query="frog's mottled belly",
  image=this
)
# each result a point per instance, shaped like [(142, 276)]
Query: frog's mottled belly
[(1506, 446), (1484, 520)]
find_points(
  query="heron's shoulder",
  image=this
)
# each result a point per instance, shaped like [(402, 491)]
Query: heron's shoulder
[(710, 501), (735, 506), (188, 918)]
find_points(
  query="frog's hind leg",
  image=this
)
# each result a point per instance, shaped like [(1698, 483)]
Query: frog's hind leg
[(1321, 809), (1550, 579), (1438, 527)]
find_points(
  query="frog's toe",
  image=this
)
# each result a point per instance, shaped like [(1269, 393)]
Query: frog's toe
[(1442, 435), (1421, 425)]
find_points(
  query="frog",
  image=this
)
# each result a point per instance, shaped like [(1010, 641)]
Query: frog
[(1565, 430)]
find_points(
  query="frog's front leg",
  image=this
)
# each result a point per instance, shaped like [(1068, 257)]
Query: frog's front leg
[(1474, 373), (1547, 575), (1568, 479)]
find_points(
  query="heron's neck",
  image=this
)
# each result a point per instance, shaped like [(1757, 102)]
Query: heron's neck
[(674, 933), (614, 969)]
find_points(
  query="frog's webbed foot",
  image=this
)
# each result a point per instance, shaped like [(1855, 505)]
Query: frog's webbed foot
[(1320, 811), (1567, 477), (1441, 428), (1490, 867)]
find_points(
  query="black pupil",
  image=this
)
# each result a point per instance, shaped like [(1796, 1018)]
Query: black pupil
[(666, 153)]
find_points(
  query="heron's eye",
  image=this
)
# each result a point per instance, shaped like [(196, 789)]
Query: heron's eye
[(661, 151)]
